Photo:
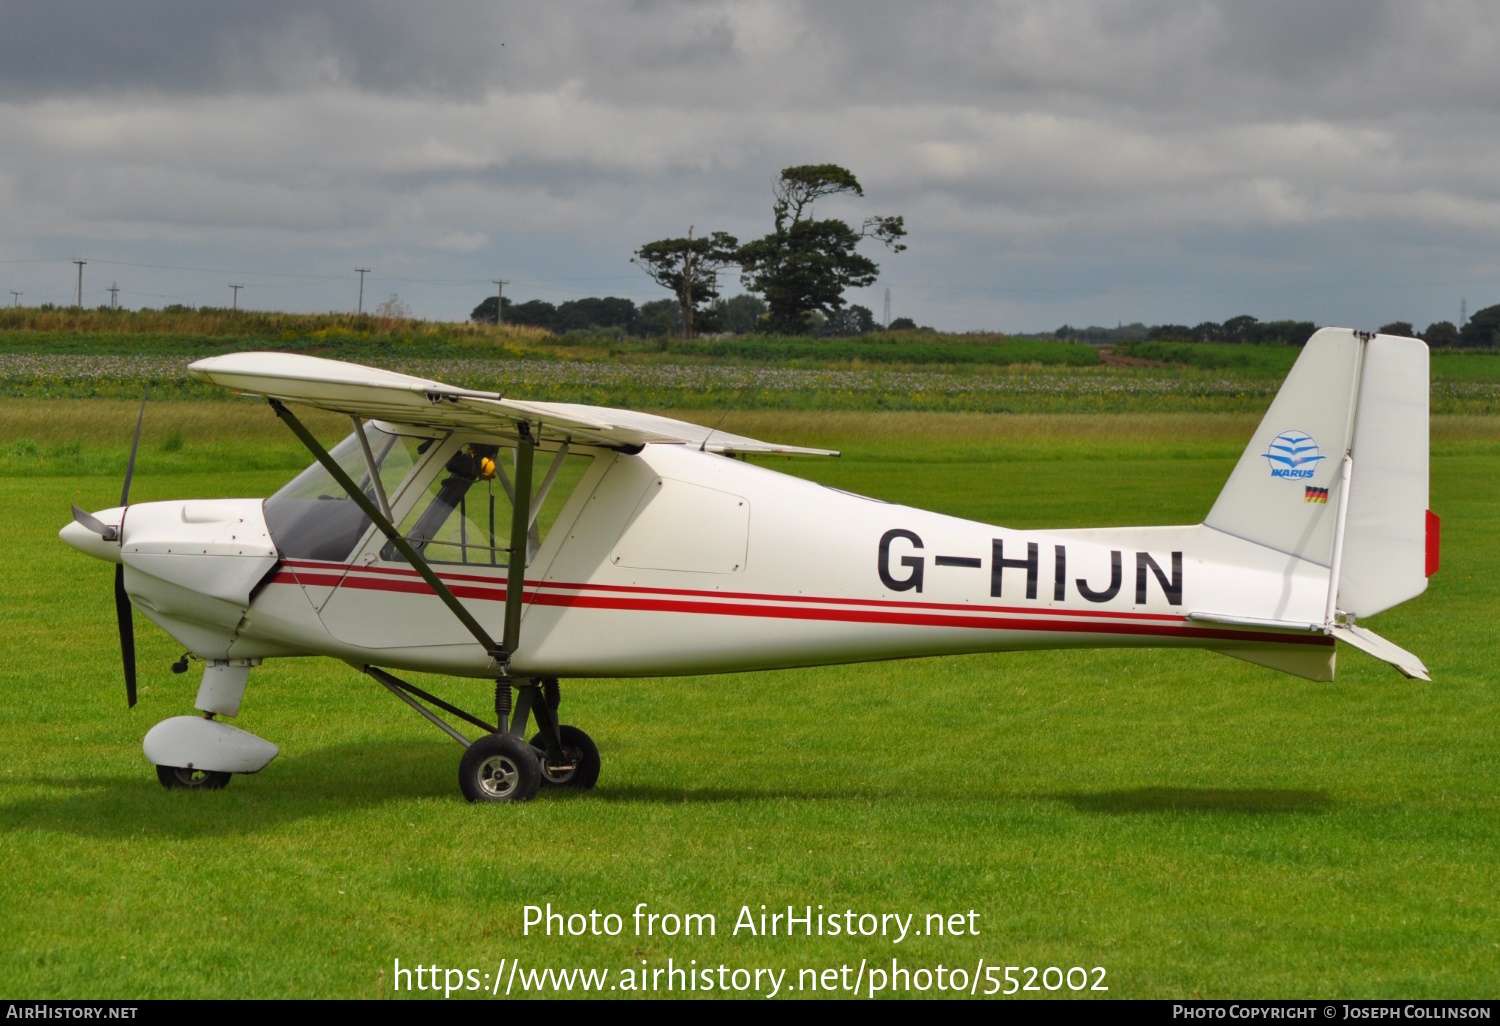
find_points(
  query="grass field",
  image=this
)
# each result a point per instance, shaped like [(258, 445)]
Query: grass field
[(1197, 825)]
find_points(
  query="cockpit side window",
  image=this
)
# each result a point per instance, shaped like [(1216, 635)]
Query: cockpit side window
[(312, 517), (466, 514)]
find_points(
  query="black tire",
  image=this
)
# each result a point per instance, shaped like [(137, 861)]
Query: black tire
[(176, 778), (499, 768), (581, 749)]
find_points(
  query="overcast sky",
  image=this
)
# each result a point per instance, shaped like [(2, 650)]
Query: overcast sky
[(1055, 162)]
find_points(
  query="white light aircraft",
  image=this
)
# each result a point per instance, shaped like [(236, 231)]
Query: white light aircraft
[(647, 549)]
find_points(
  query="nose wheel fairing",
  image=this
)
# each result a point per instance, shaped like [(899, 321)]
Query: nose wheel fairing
[(194, 743)]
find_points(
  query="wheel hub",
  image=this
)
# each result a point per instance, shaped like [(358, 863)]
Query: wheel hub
[(560, 772), (498, 776)]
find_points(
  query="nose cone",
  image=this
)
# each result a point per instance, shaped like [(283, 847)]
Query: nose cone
[(89, 543)]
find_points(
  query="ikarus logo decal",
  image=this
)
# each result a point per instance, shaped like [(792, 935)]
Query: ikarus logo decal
[(1293, 455)]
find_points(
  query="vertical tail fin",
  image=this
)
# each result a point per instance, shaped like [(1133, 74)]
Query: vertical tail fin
[(1352, 394), (1283, 494)]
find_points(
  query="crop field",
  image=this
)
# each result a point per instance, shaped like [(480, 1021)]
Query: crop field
[(1196, 825), (118, 354), (1462, 383)]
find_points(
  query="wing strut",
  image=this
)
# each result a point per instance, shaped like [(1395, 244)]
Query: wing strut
[(520, 525), (499, 653)]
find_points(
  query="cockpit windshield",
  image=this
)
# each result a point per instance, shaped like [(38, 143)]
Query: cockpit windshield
[(312, 517)]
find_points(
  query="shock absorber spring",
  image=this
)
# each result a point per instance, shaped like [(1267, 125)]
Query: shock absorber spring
[(502, 704), (552, 693)]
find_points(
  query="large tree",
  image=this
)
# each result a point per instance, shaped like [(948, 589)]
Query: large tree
[(805, 264), (1441, 335), (690, 268)]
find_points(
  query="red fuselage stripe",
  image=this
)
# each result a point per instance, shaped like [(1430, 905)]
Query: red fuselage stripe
[(499, 582), (1036, 621)]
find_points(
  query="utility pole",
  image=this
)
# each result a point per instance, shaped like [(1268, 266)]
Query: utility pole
[(114, 296), (887, 324), (499, 301), (80, 264), (362, 272), (17, 297), (687, 287), (236, 288)]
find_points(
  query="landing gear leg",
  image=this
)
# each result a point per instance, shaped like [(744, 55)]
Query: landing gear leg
[(569, 757), (502, 766)]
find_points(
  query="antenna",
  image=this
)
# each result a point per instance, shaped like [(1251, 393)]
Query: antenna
[(80, 264), (499, 300), (114, 296), (703, 445), (362, 272), (236, 301), (887, 317)]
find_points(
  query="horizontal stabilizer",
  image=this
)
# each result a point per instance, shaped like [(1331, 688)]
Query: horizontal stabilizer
[(1373, 644), (1278, 656)]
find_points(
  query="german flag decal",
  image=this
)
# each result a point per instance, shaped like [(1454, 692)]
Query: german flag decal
[(1311, 494)]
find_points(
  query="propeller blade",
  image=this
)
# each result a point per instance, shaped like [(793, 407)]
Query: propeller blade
[(125, 615), (93, 523), (135, 445)]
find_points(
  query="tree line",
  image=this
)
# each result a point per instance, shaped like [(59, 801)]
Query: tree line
[(613, 315), (1481, 331)]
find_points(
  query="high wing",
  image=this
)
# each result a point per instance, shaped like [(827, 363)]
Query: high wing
[(370, 392)]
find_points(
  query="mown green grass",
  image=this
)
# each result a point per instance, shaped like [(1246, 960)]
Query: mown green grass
[(1271, 361), (1276, 361), (1197, 825)]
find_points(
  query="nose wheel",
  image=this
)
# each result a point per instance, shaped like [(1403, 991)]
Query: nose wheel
[(179, 778)]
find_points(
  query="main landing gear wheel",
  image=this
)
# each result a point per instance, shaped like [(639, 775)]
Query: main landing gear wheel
[(499, 768), (177, 778), (580, 750)]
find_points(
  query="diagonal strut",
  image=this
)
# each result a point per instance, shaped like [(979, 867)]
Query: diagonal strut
[(499, 653)]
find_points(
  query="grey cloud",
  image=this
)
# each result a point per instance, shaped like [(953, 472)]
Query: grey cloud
[(1144, 57), (1054, 161)]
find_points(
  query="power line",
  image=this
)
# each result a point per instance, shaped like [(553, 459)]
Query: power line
[(80, 264), (17, 297), (362, 272), (114, 295), (235, 305)]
